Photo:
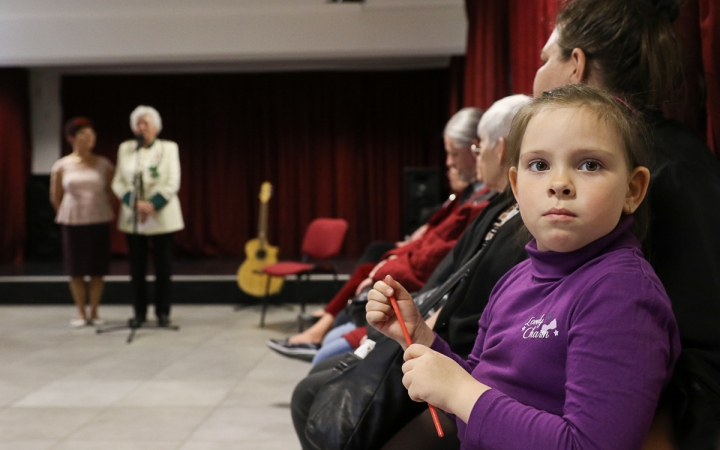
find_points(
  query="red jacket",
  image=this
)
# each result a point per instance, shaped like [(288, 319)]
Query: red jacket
[(415, 262)]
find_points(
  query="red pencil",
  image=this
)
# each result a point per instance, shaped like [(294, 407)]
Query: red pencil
[(433, 412)]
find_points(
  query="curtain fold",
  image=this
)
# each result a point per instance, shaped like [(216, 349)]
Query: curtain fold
[(503, 47), (530, 22), (14, 162), (709, 22), (486, 63), (333, 144)]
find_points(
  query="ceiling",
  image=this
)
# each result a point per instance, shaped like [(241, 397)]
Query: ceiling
[(81, 35)]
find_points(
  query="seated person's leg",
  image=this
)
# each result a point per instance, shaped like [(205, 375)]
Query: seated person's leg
[(334, 343), (316, 333), (420, 434), (660, 436), (341, 319)]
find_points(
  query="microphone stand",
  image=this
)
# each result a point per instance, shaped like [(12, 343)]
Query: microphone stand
[(136, 193)]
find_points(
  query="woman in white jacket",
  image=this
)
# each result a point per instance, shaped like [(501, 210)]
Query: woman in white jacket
[(147, 180)]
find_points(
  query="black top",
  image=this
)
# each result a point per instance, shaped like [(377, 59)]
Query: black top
[(683, 242), (683, 246), (457, 323)]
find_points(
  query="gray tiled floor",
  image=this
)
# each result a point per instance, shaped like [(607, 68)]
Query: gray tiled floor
[(212, 385)]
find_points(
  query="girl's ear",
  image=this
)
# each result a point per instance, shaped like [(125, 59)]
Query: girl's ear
[(579, 66), (512, 176), (637, 188)]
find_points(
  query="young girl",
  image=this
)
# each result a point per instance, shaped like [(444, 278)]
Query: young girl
[(578, 341)]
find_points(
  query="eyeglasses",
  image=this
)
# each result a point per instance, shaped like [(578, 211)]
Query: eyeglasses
[(475, 149)]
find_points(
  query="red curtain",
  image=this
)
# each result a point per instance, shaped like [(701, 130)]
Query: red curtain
[(709, 23), (688, 102), (531, 23), (503, 47), (486, 63), (14, 162), (333, 144)]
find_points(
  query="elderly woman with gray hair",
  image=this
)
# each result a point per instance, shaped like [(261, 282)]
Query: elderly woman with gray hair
[(412, 262), (147, 180)]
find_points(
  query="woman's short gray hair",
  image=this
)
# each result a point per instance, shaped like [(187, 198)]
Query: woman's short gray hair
[(149, 111), (462, 127), (495, 123)]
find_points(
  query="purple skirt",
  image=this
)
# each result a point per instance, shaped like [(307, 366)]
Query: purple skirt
[(86, 249)]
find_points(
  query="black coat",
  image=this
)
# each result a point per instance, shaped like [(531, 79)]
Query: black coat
[(683, 246), (458, 321)]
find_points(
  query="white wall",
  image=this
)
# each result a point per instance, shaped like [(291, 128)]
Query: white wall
[(114, 32), (45, 119), (54, 37)]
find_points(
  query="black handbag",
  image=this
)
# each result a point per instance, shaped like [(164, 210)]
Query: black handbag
[(365, 403)]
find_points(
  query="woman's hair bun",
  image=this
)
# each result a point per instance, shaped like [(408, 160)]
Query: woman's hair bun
[(670, 8)]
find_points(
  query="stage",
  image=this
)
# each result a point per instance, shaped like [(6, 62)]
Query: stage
[(195, 281)]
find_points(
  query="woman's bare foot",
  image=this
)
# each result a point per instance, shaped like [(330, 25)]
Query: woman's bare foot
[(316, 333)]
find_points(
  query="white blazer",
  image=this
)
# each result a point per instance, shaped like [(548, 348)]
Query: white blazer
[(160, 169)]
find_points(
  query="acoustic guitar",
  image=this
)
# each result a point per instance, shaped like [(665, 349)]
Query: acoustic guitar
[(259, 254)]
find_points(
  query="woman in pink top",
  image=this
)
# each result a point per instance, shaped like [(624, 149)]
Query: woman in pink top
[(80, 193)]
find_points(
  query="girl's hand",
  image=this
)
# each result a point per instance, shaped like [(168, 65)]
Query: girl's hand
[(381, 316), (434, 378)]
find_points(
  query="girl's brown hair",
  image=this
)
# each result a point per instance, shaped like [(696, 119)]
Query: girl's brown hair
[(613, 111), (631, 44)]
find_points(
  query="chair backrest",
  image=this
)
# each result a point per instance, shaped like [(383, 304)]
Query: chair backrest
[(324, 238)]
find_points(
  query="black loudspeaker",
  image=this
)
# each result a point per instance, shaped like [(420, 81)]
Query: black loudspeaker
[(422, 196), (43, 241)]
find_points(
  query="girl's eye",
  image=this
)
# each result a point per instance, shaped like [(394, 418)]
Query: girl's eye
[(538, 166), (590, 166)]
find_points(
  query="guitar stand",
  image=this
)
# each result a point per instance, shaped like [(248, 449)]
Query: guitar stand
[(264, 300), (133, 329)]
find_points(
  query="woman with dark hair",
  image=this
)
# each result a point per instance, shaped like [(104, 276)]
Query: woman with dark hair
[(80, 193), (630, 49)]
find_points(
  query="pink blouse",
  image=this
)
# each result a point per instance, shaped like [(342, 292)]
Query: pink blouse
[(86, 199)]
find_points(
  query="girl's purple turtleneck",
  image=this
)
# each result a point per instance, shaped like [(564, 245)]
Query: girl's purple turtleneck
[(576, 347)]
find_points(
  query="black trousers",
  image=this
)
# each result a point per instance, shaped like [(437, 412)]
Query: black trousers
[(418, 434), (162, 254)]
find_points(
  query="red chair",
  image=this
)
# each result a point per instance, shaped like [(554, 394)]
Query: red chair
[(323, 240)]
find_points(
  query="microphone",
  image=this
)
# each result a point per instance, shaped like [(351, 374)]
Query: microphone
[(140, 141)]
